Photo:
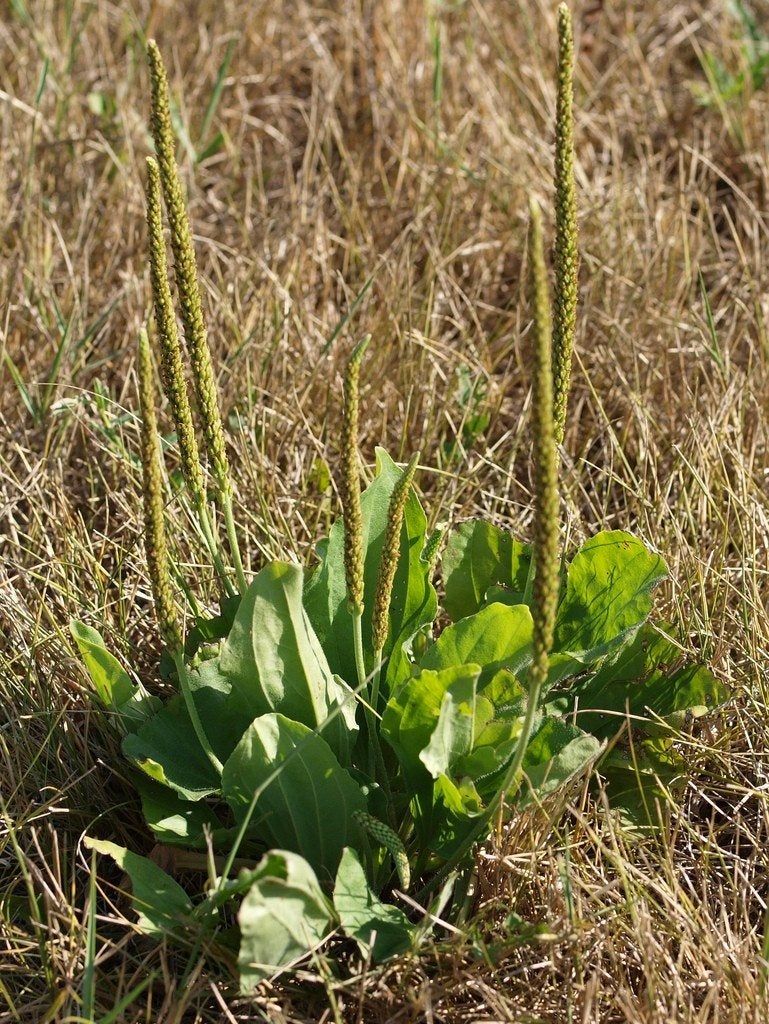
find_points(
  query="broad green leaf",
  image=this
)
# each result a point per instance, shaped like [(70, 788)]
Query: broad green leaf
[(305, 800), (282, 917), (114, 687), (505, 693), (274, 864), (177, 822), (557, 752), (166, 747), (647, 682), (455, 807), (462, 717), (413, 714), (408, 724), (414, 602), (496, 637), (492, 751), (162, 905), (274, 661), (606, 597), (271, 657), (380, 929), (479, 556)]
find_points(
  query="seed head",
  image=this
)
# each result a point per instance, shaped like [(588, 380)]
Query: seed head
[(351, 510), (565, 256), (186, 273), (545, 549), (390, 840), (152, 479), (388, 562), (431, 548), (171, 365)]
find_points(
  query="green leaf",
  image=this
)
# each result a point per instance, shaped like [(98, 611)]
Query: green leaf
[(478, 556), (114, 687), (492, 751), (380, 929), (271, 659), (162, 905), (305, 798), (647, 682), (167, 749), (274, 661), (283, 916), (456, 805), (408, 724), (557, 752), (177, 822), (498, 636), (414, 602), (607, 596), (462, 717), (413, 714)]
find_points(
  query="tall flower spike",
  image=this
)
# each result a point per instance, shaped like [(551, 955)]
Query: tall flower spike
[(152, 480), (172, 368), (546, 511), (388, 562), (545, 560), (351, 510), (566, 256), (186, 274)]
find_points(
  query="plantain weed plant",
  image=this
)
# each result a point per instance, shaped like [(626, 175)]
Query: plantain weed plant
[(327, 748)]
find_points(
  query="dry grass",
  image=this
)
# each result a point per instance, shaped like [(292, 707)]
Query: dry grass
[(367, 173)]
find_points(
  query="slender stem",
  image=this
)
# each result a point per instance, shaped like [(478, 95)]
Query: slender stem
[(373, 760), (528, 590), (197, 725), (376, 763), (360, 668), (207, 530), (232, 539), (375, 680), (357, 640)]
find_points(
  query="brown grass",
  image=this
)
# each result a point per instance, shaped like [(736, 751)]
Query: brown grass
[(346, 173)]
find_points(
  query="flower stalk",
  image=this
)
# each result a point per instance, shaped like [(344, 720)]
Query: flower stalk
[(155, 538), (565, 254), (352, 515), (186, 273), (388, 564), (388, 560), (545, 557), (172, 370), (351, 507)]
